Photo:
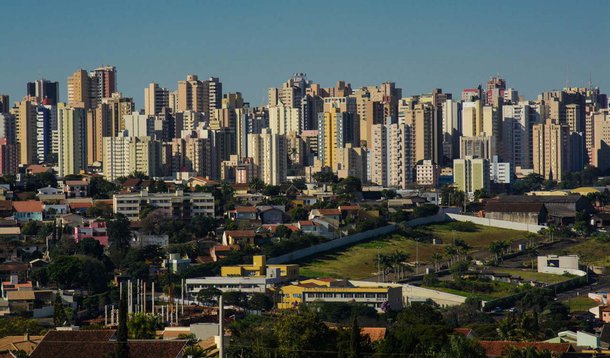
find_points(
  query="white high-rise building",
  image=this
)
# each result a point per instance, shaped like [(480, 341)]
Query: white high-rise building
[(517, 135), (270, 155), (124, 155)]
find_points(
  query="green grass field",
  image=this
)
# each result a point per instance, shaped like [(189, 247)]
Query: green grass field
[(580, 304), (593, 252), (532, 275), (359, 261), (500, 289)]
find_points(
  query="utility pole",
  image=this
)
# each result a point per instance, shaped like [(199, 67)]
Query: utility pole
[(221, 348), (416, 256), (378, 264)]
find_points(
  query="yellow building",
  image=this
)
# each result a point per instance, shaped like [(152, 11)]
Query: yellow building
[(259, 268), (331, 290)]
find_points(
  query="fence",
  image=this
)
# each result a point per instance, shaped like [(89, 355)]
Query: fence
[(497, 223)]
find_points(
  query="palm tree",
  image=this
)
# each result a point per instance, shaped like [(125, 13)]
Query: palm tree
[(436, 258), (451, 251)]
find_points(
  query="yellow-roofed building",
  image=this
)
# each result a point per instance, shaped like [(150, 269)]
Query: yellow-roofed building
[(259, 268), (332, 290)]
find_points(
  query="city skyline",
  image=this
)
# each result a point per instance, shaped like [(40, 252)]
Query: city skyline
[(252, 47)]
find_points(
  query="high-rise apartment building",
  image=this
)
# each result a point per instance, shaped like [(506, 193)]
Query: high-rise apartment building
[(103, 83), (4, 103), (124, 155), (119, 107), (481, 146), (212, 96), (270, 156), (425, 121), (517, 135), (284, 119), (427, 174), (335, 130), (25, 131), (72, 130), (190, 94), (8, 148), (155, 99), (46, 123), (551, 150), (390, 161), (43, 91), (79, 95), (99, 125), (472, 118), (600, 153), (471, 174), (451, 128), (87, 90)]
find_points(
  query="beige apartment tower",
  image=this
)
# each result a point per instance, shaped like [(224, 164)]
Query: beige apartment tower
[(25, 131), (550, 150)]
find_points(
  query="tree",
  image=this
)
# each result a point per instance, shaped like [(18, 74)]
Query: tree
[(301, 333), (256, 185), (436, 259), (91, 247), (462, 347), (388, 193), (59, 314), (142, 326), (208, 296), (65, 270), (271, 190), (122, 348), (282, 231), (119, 234), (203, 225), (260, 302), (349, 185), (425, 210), (234, 298), (325, 177), (536, 299), (99, 188), (298, 213), (498, 248)]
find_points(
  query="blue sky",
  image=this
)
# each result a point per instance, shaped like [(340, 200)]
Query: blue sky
[(252, 45)]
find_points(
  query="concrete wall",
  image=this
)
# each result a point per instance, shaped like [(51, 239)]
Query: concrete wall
[(497, 223)]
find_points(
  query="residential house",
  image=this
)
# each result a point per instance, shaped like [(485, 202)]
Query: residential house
[(76, 188), (13, 284), (96, 230), (239, 237), (194, 182), (271, 214), (142, 240), (219, 252), (38, 302), (245, 213), (28, 210), (50, 195), (315, 227), (24, 343), (333, 216), (176, 263)]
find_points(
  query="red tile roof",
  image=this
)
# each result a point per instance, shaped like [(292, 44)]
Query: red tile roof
[(37, 169), (76, 183), (245, 209), (240, 233), (28, 206), (349, 207), (132, 182), (375, 333), (98, 343), (81, 205), (498, 348), (306, 223)]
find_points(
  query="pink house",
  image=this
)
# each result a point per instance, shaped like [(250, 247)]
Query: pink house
[(96, 230)]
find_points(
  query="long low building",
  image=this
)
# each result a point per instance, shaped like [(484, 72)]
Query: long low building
[(332, 290), (179, 204)]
